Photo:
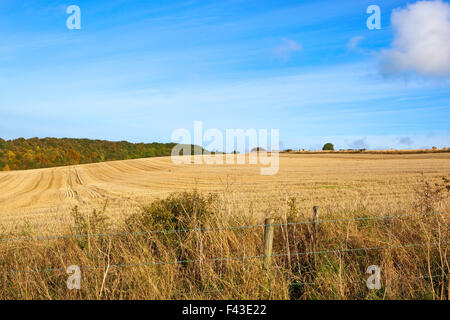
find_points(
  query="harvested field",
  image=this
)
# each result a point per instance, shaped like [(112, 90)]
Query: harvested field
[(380, 183)]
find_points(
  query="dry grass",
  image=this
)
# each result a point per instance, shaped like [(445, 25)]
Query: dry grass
[(226, 264)]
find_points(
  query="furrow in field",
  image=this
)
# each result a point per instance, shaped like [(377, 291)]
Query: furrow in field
[(28, 184)]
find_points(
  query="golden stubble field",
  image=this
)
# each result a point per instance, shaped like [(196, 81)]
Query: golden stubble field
[(382, 184), (217, 250)]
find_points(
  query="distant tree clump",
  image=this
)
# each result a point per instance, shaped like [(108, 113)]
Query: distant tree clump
[(21, 154), (328, 146)]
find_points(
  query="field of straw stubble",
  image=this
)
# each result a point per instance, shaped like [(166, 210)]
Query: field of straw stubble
[(116, 221)]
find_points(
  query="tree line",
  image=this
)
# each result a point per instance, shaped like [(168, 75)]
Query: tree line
[(21, 154)]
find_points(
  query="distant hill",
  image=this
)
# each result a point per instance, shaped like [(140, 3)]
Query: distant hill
[(20, 154)]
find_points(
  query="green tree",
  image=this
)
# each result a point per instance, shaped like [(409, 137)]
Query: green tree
[(328, 146)]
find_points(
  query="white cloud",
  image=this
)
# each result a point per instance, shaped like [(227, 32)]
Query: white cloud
[(285, 50), (422, 40), (353, 43)]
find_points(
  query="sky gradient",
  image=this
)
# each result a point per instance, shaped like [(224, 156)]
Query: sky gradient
[(138, 70)]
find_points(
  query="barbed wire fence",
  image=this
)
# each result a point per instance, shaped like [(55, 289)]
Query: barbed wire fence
[(266, 256), (306, 222)]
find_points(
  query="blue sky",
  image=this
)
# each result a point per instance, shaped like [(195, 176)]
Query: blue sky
[(138, 70)]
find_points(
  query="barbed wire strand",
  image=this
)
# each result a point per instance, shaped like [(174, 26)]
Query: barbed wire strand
[(222, 259), (174, 231)]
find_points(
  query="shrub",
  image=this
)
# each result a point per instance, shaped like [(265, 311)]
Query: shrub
[(178, 211), (429, 196), (328, 146), (89, 224)]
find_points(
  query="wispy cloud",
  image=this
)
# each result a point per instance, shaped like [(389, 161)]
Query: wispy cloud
[(358, 144), (354, 42), (285, 50), (406, 141)]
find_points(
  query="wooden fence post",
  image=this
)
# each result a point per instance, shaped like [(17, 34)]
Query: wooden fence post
[(315, 217), (315, 222), (268, 242)]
